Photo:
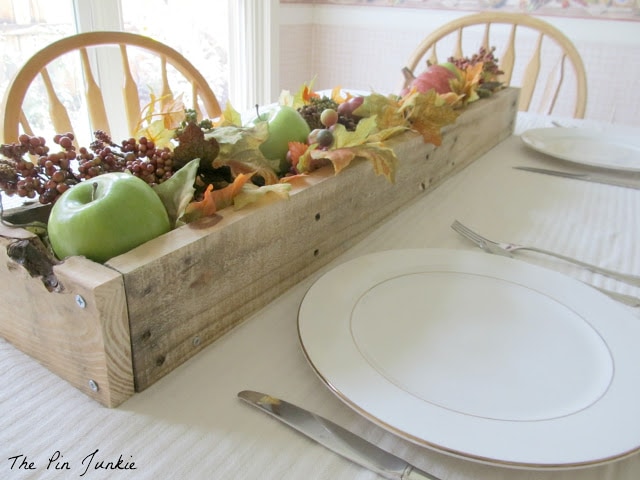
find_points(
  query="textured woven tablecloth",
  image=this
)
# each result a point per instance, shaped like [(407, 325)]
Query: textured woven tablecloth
[(190, 425)]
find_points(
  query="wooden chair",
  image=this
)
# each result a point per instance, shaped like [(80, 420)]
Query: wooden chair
[(81, 44), (548, 44)]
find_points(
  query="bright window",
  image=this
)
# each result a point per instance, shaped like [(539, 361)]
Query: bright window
[(205, 33)]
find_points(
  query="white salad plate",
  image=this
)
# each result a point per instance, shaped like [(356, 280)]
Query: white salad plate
[(478, 356), (587, 147)]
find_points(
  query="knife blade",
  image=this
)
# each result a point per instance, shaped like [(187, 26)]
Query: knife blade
[(587, 177), (336, 438)]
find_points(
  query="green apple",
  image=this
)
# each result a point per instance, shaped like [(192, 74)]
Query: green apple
[(285, 125), (106, 216)]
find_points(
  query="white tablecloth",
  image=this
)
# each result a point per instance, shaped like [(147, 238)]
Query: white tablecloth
[(191, 425)]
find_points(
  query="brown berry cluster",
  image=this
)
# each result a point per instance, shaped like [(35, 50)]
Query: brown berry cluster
[(141, 157), (490, 69), (29, 169)]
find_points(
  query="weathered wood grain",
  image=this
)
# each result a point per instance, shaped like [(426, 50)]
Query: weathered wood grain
[(78, 344)]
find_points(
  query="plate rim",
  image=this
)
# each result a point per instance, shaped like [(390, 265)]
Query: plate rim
[(425, 442), (579, 132)]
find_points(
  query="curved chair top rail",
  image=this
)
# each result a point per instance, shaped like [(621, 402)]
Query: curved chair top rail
[(36, 65)]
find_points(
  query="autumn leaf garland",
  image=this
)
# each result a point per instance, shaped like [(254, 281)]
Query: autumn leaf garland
[(383, 117), (230, 144)]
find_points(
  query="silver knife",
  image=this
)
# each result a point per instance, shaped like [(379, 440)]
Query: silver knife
[(336, 438), (587, 177)]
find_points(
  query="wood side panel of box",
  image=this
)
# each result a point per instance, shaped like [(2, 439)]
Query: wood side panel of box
[(78, 330), (187, 288)]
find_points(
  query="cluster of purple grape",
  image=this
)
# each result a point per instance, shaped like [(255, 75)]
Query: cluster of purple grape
[(30, 170)]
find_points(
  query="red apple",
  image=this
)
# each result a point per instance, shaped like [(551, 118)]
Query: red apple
[(435, 77), (347, 108)]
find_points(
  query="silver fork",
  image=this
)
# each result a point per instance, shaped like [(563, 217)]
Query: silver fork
[(507, 249)]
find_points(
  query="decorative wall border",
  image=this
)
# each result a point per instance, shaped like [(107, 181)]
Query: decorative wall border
[(594, 9)]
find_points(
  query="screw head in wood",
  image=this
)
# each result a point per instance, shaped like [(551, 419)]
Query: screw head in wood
[(80, 301)]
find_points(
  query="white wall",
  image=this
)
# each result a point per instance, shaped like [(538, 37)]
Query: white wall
[(364, 47)]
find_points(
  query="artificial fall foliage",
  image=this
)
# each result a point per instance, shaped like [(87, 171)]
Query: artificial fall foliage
[(159, 125), (214, 200), (235, 146), (427, 114), (218, 162), (348, 146)]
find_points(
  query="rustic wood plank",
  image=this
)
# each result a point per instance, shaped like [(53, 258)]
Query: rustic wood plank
[(78, 344)]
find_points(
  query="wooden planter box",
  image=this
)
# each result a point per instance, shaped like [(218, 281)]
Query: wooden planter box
[(111, 330)]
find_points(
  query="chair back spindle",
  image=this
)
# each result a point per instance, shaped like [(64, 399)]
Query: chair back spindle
[(57, 110), (530, 76), (93, 95)]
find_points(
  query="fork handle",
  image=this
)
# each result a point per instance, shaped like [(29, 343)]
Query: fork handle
[(624, 277)]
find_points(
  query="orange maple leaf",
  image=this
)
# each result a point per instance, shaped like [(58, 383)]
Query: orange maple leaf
[(214, 200), (308, 94), (296, 150)]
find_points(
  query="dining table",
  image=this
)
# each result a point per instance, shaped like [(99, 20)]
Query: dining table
[(191, 425)]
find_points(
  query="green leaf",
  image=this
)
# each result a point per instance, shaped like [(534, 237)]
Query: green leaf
[(177, 191), (240, 150), (344, 138)]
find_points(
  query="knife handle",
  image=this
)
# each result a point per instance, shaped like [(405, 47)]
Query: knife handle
[(413, 473)]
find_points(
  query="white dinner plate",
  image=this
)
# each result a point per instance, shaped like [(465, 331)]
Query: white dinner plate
[(479, 356), (587, 147)]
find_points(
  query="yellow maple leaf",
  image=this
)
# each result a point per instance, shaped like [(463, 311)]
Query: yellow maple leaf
[(427, 114), (338, 96), (157, 132), (340, 157), (383, 159), (386, 109), (169, 109), (467, 85), (229, 117), (159, 119), (252, 194), (172, 111), (346, 138)]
